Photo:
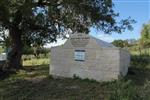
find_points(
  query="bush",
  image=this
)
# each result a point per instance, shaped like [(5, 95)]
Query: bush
[(1, 49), (37, 52), (123, 90), (27, 50), (140, 61), (145, 91)]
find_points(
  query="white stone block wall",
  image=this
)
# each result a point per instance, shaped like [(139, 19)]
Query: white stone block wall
[(100, 64), (124, 61)]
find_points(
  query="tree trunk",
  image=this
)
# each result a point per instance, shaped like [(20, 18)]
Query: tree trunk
[(14, 56)]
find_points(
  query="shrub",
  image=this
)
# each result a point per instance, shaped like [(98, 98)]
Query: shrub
[(27, 50), (145, 91), (140, 61), (123, 90), (37, 52)]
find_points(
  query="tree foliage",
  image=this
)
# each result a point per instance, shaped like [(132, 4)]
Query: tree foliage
[(41, 21), (145, 36), (120, 43)]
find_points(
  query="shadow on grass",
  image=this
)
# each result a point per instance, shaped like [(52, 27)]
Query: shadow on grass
[(53, 89), (34, 83), (6, 74), (138, 75), (36, 67), (139, 70)]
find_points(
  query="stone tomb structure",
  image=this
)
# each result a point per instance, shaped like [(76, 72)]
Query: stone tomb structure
[(88, 57)]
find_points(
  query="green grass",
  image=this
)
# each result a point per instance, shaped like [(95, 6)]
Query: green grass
[(35, 61), (33, 82)]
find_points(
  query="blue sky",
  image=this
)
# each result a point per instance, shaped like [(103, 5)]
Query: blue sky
[(138, 10)]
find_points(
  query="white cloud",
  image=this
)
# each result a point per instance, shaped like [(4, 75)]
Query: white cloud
[(59, 42), (104, 37)]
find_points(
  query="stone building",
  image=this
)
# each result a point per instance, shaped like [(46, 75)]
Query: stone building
[(88, 57)]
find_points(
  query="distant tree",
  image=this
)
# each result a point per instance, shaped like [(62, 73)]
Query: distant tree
[(132, 41), (145, 36), (36, 50), (120, 43), (30, 21)]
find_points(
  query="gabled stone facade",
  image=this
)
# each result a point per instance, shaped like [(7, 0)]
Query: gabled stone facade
[(87, 57)]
